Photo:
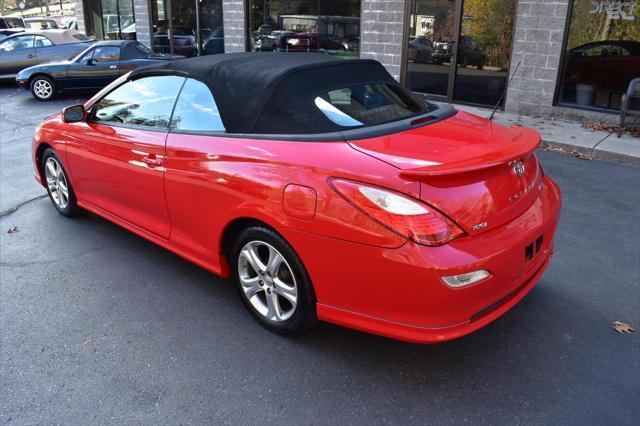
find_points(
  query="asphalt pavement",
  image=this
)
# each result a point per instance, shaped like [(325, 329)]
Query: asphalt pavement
[(99, 326)]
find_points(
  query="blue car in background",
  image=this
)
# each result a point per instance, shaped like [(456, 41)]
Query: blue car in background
[(92, 69)]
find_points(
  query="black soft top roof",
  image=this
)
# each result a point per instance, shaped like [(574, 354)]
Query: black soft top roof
[(273, 93)]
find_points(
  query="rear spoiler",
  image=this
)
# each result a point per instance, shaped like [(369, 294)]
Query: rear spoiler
[(527, 141)]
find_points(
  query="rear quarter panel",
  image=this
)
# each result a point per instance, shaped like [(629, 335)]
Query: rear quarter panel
[(210, 181)]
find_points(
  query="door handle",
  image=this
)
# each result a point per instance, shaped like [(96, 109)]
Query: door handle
[(30, 55), (113, 67), (152, 161)]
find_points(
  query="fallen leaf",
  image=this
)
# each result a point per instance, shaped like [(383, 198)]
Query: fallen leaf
[(574, 153), (622, 327), (611, 128), (12, 230)]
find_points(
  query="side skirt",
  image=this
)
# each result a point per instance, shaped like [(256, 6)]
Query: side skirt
[(211, 265)]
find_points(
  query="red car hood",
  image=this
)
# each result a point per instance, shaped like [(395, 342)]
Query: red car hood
[(466, 167)]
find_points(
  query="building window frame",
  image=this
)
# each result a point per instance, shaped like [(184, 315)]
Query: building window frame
[(562, 68)]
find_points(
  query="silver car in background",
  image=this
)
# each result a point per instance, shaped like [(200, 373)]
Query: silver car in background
[(29, 48)]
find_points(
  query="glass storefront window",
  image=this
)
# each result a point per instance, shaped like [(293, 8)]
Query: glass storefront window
[(111, 20), (602, 53), (430, 48), (484, 50), (188, 27), (466, 62), (304, 25)]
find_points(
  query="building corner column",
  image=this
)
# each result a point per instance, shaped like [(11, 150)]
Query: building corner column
[(142, 14), (233, 16), (381, 33), (537, 45), (79, 11)]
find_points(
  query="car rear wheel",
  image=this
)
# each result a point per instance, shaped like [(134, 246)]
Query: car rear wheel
[(272, 281), (43, 88), (58, 186)]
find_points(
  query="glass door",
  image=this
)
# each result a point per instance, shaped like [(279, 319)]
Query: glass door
[(484, 51), (430, 54)]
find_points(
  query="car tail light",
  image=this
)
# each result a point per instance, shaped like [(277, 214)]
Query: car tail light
[(399, 213)]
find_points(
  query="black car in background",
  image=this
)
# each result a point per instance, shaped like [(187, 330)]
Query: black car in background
[(330, 42), (92, 69), (469, 52)]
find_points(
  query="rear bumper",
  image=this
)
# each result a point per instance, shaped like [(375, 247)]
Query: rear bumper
[(399, 293)]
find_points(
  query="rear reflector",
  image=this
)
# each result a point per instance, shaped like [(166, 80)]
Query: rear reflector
[(463, 280)]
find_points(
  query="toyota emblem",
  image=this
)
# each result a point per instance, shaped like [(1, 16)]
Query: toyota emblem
[(518, 168)]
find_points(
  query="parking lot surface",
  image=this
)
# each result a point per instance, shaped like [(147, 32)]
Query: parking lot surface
[(100, 326)]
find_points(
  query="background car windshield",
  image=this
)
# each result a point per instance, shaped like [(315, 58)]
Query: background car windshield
[(144, 49), (106, 54), (143, 102), (370, 104), (10, 23)]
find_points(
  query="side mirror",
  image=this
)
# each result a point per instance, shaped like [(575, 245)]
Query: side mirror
[(74, 114), (90, 61)]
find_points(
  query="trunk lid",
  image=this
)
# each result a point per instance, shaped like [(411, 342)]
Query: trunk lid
[(479, 173)]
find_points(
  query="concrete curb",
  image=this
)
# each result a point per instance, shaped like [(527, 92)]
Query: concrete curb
[(592, 154)]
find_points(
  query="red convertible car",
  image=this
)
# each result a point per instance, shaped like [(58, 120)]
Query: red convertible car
[(325, 189)]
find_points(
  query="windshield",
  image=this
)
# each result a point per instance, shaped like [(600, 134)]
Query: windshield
[(144, 49), (84, 55), (370, 104), (10, 23)]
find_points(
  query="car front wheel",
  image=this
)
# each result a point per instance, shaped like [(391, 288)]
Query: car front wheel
[(58, 186), (272, 281), (43, 88)]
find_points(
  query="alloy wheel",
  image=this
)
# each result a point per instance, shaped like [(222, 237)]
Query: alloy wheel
[(56, 182), (43, 89), (267, 280)]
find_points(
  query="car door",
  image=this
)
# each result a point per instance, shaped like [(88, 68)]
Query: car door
[(117, 160), (16, 53), (98, 70), (192, 177), (45, 50)]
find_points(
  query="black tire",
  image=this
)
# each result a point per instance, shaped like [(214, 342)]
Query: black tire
[(419, 59), (481, 64), (70, 208), (304, 313), (38, 85)]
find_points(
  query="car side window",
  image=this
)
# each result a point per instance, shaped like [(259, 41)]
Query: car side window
[(143, 102), (196, 109), (17, 43), (106, 54), (42, 41)]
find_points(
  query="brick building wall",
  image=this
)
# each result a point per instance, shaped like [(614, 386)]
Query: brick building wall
[(233, 12), (79, 9), (382, 31), (142, 14), (537, 45)]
